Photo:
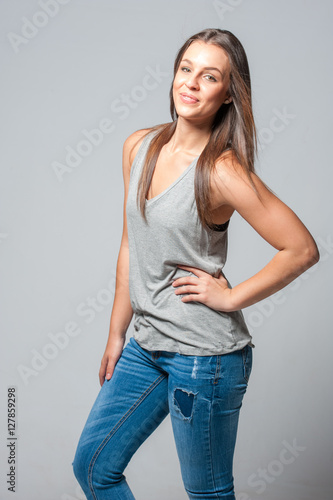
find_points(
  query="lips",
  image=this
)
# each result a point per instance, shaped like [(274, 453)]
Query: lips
[(189, 97)]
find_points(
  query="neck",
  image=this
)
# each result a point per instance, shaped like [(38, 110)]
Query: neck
[(189, 137)]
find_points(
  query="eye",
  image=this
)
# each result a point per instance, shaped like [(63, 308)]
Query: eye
[(213, 78), (210, 78)]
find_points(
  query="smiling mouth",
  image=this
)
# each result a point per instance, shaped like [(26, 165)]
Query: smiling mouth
[(187, 98)]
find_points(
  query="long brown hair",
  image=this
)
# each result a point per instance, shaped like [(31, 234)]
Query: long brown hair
[(233, 127)]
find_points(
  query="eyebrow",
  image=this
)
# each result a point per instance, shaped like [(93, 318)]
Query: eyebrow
[(207, 67)]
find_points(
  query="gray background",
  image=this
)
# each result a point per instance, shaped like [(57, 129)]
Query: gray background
[(60, 236)]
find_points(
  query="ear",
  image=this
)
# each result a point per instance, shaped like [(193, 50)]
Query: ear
[(228, 100)]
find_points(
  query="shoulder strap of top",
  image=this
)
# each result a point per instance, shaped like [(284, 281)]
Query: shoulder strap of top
[(143, 148)]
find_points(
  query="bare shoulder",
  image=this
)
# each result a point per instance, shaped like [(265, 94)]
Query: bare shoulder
[(131, 146), (228, 168), (231, 183)]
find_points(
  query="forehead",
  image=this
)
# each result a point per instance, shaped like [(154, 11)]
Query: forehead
[(206, 54)]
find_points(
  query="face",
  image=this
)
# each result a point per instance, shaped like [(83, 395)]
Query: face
[(203, 75)]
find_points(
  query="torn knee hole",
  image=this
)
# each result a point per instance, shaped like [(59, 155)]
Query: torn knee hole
[(184, 401)]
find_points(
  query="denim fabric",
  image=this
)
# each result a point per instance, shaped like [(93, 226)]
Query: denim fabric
[(203, 395)]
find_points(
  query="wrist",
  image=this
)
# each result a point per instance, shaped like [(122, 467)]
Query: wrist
[(232, 301), (116, 338)]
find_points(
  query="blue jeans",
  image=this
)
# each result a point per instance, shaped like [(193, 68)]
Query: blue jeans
[(203, 395)]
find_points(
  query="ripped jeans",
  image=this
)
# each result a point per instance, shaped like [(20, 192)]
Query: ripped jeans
[(203, 395)]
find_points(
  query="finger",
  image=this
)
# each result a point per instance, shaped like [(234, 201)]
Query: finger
[(187, 289), (191, 298), (101, 376), (109, 370), (184, 280), (105, 371), (194, 270), (101, 373)]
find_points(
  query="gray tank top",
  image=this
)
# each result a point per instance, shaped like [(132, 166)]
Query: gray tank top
[(174, 235)]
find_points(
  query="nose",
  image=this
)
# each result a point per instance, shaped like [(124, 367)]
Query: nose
[(192, 82)]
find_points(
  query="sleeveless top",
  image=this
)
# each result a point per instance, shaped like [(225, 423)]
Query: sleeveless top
[(174, 235)]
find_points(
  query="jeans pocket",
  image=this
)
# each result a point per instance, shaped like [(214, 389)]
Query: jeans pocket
[(247, 362)]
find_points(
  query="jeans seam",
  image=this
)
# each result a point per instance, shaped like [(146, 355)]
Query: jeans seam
[(217, 371), (114, 429), (210, 439), (244, 355)]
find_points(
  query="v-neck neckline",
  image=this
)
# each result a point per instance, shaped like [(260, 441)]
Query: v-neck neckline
[(166, 190)]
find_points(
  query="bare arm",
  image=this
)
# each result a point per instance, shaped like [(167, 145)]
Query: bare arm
[(279, 226), (275, 222), (122, 312)]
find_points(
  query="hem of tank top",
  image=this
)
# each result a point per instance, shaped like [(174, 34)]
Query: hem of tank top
[(189, 352)]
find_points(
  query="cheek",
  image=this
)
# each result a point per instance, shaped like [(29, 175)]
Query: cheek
[(179, 80), (216, 98)]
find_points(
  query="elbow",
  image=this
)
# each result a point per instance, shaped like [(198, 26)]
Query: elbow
[(310, 256)]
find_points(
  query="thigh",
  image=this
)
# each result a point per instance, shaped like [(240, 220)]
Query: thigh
[(128, 408), (205, 397)]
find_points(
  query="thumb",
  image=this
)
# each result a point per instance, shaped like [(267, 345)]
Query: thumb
[(109, 369), (221, 277), (106, 369), (223, 280)]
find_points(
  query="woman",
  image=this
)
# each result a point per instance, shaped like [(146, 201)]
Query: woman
[(191, 353)]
